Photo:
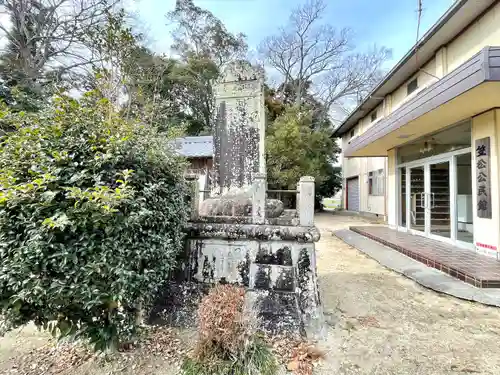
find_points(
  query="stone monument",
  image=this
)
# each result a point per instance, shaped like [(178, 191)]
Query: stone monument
[(239, 143), (240, 128), (238, 235)]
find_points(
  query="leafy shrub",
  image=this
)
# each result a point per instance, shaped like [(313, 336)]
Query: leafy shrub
[(91, 215), (228, 342)]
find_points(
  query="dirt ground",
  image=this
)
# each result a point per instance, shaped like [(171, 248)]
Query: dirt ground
[(378, 323), (384, 323)]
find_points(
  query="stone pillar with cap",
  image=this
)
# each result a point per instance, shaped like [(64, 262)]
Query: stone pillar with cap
[(306, 201)]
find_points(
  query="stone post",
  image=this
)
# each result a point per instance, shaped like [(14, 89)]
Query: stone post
[(306, 201), (297, 200), (195, 195), (259, 188)]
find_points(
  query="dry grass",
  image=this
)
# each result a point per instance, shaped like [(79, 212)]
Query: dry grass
[(228, 342), (221, 324)]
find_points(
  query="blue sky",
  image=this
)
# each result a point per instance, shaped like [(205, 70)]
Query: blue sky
[(391, 23)]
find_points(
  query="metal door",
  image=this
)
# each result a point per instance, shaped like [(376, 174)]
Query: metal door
[(353, 194)]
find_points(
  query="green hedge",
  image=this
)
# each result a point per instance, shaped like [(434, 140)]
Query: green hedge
[(91, 215)]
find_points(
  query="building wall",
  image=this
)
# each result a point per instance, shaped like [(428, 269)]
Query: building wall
[(486, 231), (485, 31), (392, 176), (360, 167), (199, 165), (425, 77)]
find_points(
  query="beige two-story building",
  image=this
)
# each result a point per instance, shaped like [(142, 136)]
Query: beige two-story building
[(423, 149)]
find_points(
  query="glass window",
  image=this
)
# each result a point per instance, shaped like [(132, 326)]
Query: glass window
[(352, 133), (412, 86), (450, 139), (376, 183), (374, 115)]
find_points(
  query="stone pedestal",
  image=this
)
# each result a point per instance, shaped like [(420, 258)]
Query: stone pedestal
[(277, 265)]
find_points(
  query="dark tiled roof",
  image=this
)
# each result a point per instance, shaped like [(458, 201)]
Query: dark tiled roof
[(195, 147)]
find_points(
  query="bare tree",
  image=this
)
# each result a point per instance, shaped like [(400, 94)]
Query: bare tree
[(308, 51), (49, 38)]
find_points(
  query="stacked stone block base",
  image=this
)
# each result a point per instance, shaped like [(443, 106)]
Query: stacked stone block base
[(278, 269)]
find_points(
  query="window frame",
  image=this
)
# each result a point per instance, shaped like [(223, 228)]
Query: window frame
[(411, 90), (376, 183), (374, 116)]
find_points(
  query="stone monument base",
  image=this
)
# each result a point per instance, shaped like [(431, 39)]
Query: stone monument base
[(276, 264)]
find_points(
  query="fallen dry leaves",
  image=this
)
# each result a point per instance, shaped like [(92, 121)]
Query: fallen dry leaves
[(164, 342), (52, 359), (298, 356)]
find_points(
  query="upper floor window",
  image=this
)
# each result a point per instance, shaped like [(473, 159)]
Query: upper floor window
[(352, 133), (412, 86), (373, 116)]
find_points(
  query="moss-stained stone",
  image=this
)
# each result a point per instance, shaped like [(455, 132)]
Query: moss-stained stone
[(261, 264), (208, 270), (285, 280), (239, 129), (277, 311), (264, 255), (304, 267), (284, 256), (262, 277), (237, 205), (177, 303), (253, 231), (244, 270)]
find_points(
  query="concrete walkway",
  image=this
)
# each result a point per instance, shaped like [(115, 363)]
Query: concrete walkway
[(426, 276)]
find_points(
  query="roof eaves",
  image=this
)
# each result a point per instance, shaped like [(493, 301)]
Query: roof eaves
[(349, 121)]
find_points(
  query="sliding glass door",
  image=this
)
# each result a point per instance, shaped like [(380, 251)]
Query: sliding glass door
[(439, 199), (436, 197), (417, 198)]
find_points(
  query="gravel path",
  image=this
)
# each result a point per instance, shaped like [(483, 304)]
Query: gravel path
[(382, 323)]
